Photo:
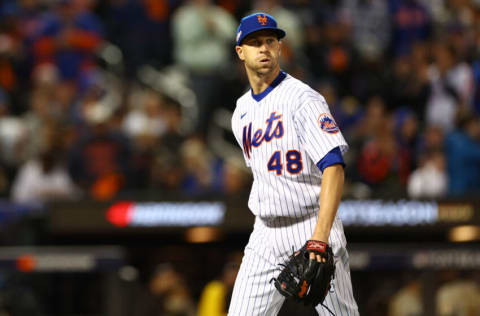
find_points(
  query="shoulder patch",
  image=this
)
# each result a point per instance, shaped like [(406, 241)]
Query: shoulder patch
[(328, 124)]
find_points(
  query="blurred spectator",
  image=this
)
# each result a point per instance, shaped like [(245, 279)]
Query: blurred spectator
[(24, 22), (142, 31), (451, 87), (437, 10), (4, 174), (368, 122), (407, 301), (431, 139), (453, 15), (27, 17), (406, 134), (69, 37), (383, 161), (377, 158), (144, 125), (204, 36), (11, 57), (476, 76), (372, 120), (234, 177), (147, 117), (369, 21), (430, 180), (408, 84), (13, 135), (462, 149), (411, 23), (199, 167), (45, 178), (66, 94), (4, 181), (45, 77), (330, 52), (41, 110), (166, 171), (216, 295), (237, 8), (459, 296), (100, 160), (167, 295)]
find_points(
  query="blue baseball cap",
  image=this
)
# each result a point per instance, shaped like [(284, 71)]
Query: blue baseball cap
[(257, 22)]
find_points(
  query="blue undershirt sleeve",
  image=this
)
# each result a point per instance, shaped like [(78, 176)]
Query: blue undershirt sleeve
[(333, 157)]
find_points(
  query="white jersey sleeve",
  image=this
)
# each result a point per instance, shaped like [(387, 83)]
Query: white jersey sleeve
[(317, 130), (236, 117)]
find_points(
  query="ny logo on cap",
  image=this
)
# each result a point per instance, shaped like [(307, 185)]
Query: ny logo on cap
[(262, 19)]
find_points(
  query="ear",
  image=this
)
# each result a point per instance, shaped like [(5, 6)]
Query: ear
[(239, 51), (280, 47)]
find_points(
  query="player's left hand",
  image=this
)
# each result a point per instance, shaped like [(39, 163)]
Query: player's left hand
[(306, 276), (315, 256)]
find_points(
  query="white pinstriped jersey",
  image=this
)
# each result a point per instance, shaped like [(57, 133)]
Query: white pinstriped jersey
[(283, 137)]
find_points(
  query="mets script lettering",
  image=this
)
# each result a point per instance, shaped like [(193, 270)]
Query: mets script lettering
[(259, 136)]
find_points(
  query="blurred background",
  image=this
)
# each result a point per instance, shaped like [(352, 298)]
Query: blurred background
[(123, 192)]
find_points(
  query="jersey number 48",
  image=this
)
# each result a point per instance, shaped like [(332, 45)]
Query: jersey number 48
[(293, 159)]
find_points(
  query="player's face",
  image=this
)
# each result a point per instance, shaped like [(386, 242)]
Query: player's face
[(260, 51)]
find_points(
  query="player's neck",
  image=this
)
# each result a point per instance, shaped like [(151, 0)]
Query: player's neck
[(260, 82)]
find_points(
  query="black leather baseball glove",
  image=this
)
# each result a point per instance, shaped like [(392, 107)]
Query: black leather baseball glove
[(305, 279)]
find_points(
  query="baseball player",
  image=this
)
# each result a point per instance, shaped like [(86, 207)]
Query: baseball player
[(293, 147)]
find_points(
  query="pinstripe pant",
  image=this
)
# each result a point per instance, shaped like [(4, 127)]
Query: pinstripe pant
[(271, 242)]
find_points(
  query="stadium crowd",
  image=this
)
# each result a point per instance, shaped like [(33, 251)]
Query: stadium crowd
[(99, 98)]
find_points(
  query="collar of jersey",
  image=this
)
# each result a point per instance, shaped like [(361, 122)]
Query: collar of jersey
[(275, 82)]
